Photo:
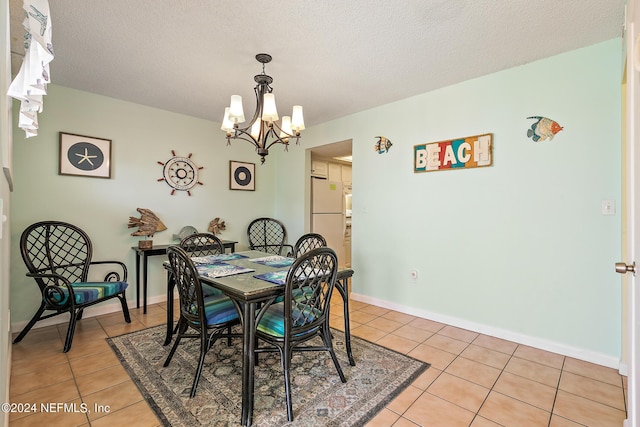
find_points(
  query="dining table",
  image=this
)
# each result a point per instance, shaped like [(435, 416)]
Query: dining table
[(249, 291)]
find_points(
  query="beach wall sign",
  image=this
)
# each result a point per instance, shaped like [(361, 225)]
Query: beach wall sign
[(460, 153)]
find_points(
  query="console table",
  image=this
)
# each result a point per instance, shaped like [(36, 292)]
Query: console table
[(158, 250)]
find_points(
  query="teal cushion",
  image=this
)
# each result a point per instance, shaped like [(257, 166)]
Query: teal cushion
[(86, 292), (272, 322), (219, 309), (208, 290)]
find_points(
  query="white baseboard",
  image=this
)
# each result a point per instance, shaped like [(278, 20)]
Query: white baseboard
[(552, 346), (93, 311)]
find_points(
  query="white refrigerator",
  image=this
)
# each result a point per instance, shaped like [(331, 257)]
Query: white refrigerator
[(328, 214)]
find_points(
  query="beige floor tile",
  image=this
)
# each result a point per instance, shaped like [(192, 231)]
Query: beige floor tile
[(534, 371), (377, 311), (427, 324), (413, 333), (511, 412), (590, 370), (542, 357), (496, 344), (405, 399), (87, 348), (399, 344), (362, 317), (138, 415), (384, 418), (458, 333), (475, 372), (446, 343), (479, 421), (458, 391), (99, 380), (439, 359), (557, 421), (94, 362), (484, 355), (587, 412), (124, 328), (112, 399), (426, 378), (368, 333), (21, 384), (403, 422), (525, 390), (383, 324), (31, 363), (399, 317), (430, 410), (591, 389)]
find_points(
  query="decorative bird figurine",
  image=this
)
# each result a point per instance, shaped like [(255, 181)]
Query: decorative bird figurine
[(148, 223), (216, 226)]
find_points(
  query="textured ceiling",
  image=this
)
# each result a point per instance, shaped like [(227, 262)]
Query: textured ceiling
[(334, 57)]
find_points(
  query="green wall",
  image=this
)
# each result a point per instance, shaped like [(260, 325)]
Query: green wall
[(519, 250)]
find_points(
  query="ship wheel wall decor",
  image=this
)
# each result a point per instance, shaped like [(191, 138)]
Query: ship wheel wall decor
[(181, 173)]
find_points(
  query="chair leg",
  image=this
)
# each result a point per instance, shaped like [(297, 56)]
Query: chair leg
[(326, 336), (204, 344), (71, 329), (32, 322), (286, 362), (125, 308), (182, 329)]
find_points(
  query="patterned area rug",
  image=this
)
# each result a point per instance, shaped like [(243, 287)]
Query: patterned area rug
[(319, 398)]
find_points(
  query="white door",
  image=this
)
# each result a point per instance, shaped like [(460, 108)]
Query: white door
[(631, 227)]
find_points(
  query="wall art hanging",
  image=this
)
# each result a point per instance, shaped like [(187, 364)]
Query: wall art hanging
[(242, 176), (181, 173), (383, 145), (216, 226), (148, 224), (84, 156), (460, 153), (543, 128)]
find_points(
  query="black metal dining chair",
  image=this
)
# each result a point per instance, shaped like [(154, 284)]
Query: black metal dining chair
[(307, 242), (58, 255), (268, 235), (287, 325), (208, 316), (202, 244)]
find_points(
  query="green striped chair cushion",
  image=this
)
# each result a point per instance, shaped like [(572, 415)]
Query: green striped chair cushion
[(218, 309), (86, 292), (272, 322)]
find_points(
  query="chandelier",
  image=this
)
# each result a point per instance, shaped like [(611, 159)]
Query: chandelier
[(263, 130)]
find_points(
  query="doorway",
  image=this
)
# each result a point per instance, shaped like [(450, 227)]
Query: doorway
[(331, 176)]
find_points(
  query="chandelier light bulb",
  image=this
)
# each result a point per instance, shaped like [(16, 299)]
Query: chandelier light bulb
[(297, 121), (227, 124), (236, 112), (269, 110)]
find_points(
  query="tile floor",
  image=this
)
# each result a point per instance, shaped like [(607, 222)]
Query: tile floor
[(474, 380)]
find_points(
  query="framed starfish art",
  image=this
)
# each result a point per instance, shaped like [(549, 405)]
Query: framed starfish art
[(84, 156)]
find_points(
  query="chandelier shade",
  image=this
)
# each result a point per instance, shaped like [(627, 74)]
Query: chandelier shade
[(263, 131)]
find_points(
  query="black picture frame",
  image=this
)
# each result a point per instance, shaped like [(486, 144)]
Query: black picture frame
[(242, 176), (82, 155)]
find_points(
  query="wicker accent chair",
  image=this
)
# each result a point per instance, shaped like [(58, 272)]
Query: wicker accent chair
[(307, 242), (209, 316), (304, 314), (268, 235), (58, 256), (202, 244)]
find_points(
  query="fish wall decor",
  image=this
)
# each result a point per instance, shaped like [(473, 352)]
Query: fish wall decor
[(543, 128), (383, 145), (216, 226), (148, 224)]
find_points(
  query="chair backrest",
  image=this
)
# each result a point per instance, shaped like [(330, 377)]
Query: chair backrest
[(308, 290), (54, 247), (267, 235), (307, 242), (202, 244), (190, 294)]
